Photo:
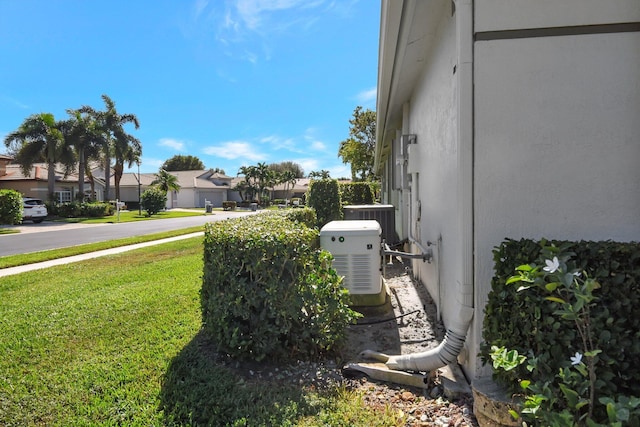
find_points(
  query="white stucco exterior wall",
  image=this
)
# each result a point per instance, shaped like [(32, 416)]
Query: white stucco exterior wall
[(557, 142), (432, 118), (498, 15), (554, 129)]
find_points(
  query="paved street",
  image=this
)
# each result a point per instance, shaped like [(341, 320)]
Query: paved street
[(51, 235)]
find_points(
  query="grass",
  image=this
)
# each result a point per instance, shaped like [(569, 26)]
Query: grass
[(116, 341), (33, 257)]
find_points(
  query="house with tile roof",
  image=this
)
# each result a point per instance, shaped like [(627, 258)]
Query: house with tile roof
[(34, 183)]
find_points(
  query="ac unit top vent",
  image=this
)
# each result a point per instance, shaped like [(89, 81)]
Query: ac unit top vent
[(352, 228)]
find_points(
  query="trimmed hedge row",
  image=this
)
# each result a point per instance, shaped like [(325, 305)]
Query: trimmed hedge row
[(356, 193), (269, 291), (80, 209), (524, 321)]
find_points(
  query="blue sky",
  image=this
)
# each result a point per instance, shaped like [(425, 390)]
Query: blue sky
[(231, 82)]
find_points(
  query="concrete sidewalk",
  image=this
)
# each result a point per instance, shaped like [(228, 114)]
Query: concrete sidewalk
[(40, 265)]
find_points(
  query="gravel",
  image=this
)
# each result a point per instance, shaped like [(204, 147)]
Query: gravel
[(408, 325)]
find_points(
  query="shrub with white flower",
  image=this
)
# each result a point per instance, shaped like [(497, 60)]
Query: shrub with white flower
[(572, 292)]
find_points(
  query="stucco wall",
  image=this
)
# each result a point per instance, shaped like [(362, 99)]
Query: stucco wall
[(432, 118), (557, 141), (497, 15)]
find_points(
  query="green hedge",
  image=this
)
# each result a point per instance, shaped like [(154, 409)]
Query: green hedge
[(524, 321), (269, 291), (80, 209), (324, 197), (356, 193), (10, 207)]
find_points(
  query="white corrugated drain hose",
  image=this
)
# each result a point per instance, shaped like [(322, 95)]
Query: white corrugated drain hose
[(444, 354)]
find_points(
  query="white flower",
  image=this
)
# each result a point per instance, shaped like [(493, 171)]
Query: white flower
[(575, 360), (552, 265)]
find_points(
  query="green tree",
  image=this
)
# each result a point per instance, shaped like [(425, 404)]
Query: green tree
[(153, 200), (289, 179), (266, 179), (324, 197), (249, 185), (82, 133), (181, 162), (166, 181), (323, 174), (125, 148), (288, 166), (39, 138), (257, 179), (359, 148), (217, 170)]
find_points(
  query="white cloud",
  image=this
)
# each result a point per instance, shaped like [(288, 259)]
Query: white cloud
[(254, 12), (243, 23), (172, 143), (199, 6), (367, 96), (312, 141), (13, 102), (279, 143), (308, 165), (340, 171), (318, 146), (235, 150)]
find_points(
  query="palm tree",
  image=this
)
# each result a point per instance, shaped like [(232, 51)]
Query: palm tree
[(264, 177), (124, 147), (251, 178), (166, 181), (288, 178), (127, 149), (81, 131), (39, 138)]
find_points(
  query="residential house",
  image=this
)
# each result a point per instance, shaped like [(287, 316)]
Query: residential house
[(197, 188), (505, 119), (35, 183), (298, 190)]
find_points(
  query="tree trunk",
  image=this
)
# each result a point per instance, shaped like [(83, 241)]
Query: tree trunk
[(51, 172), (117, 176), (107, 176), (81, 164), (51, 180)]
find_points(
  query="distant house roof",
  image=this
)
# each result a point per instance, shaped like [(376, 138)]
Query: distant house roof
[(200, 179), (302, 184), (131, 179), (38, 172)]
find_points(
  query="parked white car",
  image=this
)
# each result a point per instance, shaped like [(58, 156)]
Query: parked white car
[(33, 209)]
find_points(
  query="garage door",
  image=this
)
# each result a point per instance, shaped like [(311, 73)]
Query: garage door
[(215, 198)]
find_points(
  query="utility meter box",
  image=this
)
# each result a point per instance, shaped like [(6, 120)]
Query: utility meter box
[(355, 246)]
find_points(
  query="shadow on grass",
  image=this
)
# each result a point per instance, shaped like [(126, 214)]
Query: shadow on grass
[(198, 389)]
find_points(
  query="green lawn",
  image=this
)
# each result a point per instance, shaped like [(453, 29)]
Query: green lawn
[(131, 216), (33, 257), (116, 341)]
